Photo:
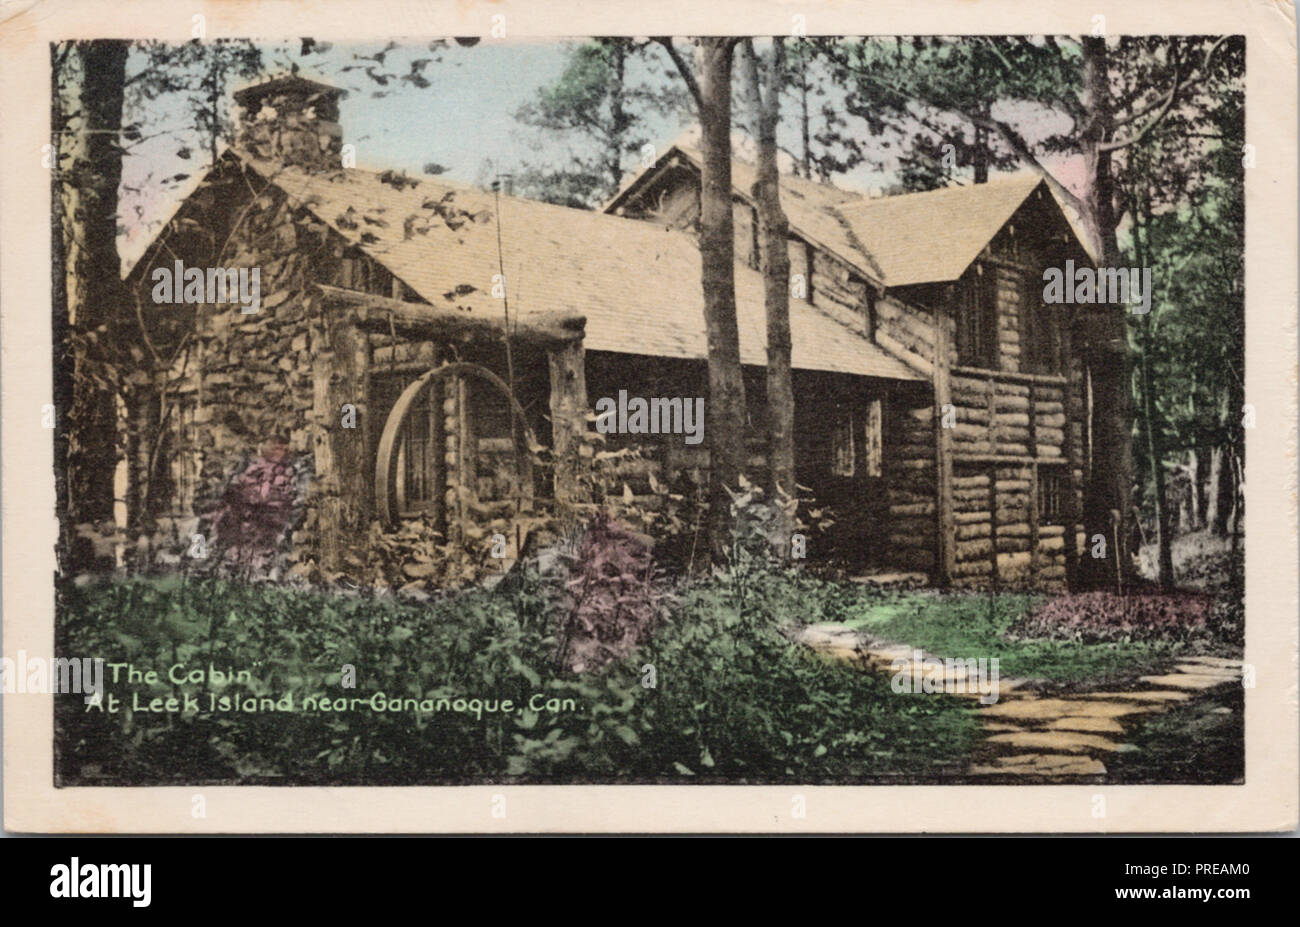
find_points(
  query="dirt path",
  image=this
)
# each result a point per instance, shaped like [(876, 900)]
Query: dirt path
[(1031, 735)]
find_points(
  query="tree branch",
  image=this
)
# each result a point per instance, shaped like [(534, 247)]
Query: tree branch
[(1164, 106), (682, 67)]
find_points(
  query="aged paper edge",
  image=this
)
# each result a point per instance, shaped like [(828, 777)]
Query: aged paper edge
[(1266, 802)]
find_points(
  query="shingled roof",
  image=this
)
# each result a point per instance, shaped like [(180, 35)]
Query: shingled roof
[(899, 240), (934, 236), (811, 208), (637, 284)]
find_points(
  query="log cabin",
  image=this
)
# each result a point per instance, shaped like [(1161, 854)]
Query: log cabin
[(940, 410)]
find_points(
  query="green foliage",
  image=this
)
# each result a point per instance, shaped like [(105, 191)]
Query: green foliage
[(1202, 742), (608, 601), (602, 99), (973, 626), (718, 694)]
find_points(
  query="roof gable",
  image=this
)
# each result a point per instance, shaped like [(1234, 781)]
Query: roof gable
[(933, 237), (901, 240), (638, 285)]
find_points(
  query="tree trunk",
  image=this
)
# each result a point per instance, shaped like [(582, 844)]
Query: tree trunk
[(805, 123), (94, 290), (1151, 428), (774, 264), (1219, 515), (1163, 534), (1196, 495), (1108, 495), (617, 116), (726, 413)]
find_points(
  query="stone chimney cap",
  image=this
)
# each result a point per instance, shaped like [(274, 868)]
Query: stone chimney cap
[(251, 97)]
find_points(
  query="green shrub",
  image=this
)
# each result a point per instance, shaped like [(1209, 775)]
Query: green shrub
[(718, 694)]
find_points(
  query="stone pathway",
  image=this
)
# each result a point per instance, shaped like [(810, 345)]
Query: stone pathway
[(1032, 735)]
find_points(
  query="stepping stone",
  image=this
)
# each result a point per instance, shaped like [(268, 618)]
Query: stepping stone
[(1049, 709), (1221, 662), (845, 654), (1065, 741), (888, 655), (1199, 669), (820, 635), (1155, 695), (1188, 681), (1041, 764), (888, 580), (1065, 765), (1093, 725)]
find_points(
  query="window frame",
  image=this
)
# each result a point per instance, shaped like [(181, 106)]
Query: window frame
[(1055, 476), (1040, 333), (976, 314)]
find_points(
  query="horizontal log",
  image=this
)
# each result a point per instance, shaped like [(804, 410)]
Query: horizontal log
[(982, 529), (908, 541), (962, 432), (1006, 376), (422, 321), (915, 508), (1009, 564), (920, 329), (969, 550), (902, 353), (1021, 457)]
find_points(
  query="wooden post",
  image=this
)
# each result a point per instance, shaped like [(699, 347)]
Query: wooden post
[(995, 578), (343, 466), (438, 456), (1033, 489), (1033, 523), (945, 523), (1073, 457), (568, 416), (466, 456), (990, 395)]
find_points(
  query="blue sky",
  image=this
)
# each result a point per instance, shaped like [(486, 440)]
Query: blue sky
[(464, 120)]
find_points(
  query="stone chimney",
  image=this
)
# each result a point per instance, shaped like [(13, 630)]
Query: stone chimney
[(293, 121)]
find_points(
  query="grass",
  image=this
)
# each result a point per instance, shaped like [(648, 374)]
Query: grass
[(974, 625)]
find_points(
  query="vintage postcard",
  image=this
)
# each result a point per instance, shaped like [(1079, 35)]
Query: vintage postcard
[(518, 417)]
